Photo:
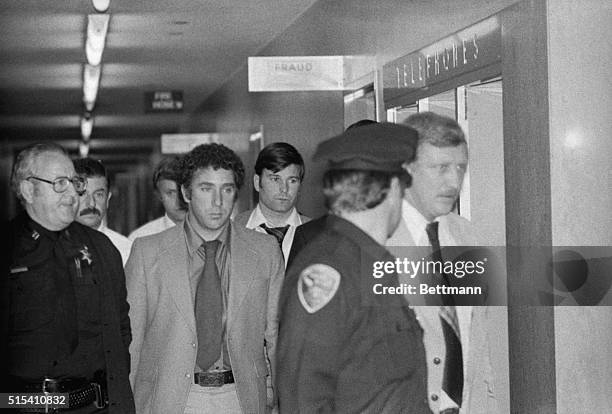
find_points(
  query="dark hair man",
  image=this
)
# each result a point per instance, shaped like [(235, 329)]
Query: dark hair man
[(203, 298), (67, 319), (93, 203), (279, 171), (341, 348), (165, 178), (457, 366)]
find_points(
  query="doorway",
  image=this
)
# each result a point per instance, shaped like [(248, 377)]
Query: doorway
[(477, 107)]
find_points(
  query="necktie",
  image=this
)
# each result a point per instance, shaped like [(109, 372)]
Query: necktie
[(452, 379), (209, 308), (432, 235), (278, 232)]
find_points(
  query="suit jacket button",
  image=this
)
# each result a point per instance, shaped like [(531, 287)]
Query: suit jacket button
[(193, 345), (434, 397), (187, 375), (437, 361)]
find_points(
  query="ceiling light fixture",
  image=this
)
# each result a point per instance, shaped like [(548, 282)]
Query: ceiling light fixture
[(87, 123), (83, 149), (101, 6), (97, 27), (91, 82)]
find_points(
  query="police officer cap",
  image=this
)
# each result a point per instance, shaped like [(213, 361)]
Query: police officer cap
[(375, 147)]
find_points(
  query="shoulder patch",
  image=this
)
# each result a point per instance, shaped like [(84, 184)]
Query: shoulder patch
[(317, 285)]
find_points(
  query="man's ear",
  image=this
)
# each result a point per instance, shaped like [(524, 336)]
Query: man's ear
[(186, 194), (256, 180), (108, 198), (395, 187), (26, 188), (408, 166)]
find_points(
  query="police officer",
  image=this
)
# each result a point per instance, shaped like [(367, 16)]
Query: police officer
[(341, 347), (65, 326)]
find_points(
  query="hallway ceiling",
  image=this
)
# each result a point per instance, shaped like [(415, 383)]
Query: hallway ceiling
[(187, 45)]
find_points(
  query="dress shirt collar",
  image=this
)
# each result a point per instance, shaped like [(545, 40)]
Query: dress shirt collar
[(194, 241), (415, 221), (167, 221), (257, 217)]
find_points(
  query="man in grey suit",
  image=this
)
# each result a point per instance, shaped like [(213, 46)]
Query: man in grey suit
[(428, 220), (203, 299), (279, 171)]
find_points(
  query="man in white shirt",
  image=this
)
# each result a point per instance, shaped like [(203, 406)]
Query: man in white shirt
[(279, 171), (93, 203), (164, 181), (428, 220)]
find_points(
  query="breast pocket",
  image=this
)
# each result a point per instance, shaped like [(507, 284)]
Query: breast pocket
[(32, 300)]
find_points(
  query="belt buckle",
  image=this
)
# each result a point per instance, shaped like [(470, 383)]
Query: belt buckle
[(45, 382), (211, 379), (99, 402), (46, 393)]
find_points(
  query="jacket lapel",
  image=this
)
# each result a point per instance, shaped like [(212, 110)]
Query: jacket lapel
[(478, 345), (243, 265), (174, 272)]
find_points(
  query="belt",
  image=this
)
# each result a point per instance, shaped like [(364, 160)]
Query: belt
[(81, 393), (213, 378), (450, 411)]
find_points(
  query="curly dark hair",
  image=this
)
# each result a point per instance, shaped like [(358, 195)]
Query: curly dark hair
[(210, 155)]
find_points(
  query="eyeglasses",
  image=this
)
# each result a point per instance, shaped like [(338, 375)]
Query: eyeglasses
[(60, 184)]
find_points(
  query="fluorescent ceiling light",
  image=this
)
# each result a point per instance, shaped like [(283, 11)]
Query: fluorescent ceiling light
[(91, 82), (83, 149), (86, 127), (101, 6), (97, 27)]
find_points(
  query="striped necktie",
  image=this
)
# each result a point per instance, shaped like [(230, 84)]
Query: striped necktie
[(278, 232)]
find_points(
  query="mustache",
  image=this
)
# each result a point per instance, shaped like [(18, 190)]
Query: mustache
[(90, 211)]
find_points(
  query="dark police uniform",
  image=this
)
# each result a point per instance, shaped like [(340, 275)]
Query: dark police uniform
[(360, 352), (349, 350), (65, 315), (303, 234)]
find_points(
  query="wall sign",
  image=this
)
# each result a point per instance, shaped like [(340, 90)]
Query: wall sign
[(464, 51), (296, 73), (182, 143), (163, 101)]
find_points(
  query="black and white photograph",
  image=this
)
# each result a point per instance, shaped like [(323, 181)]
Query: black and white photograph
[(306, 206)]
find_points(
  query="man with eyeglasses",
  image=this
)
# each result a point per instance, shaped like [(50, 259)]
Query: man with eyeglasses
[(64, 325)]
